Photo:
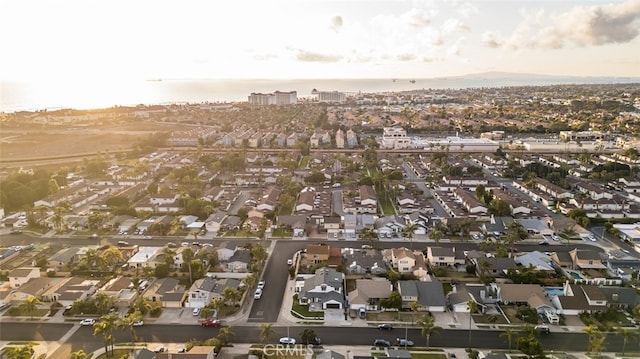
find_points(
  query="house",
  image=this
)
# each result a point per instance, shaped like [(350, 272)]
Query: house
[(323, 290), (368, 293), (318, 253), (538, 260), (145, 257), (239, 261), (406, 261), (621, 297), (206, 289), (22, 275), (363, 262), (532, 295), (429, 295), (214, 222), (269, 200), (562, 259), (62, 258), (494, 266), (120, 290), (330, 354), (71, 289), (579, 298), (34, 288), (585, 259), (441, 256), (226, 250), (166, 291)]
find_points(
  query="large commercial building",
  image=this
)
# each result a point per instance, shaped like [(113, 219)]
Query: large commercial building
[(329, 96), (275, 98), (395, 138)]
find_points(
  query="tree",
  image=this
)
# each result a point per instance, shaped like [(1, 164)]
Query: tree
[(308, 336), (393, 302), (207, 313), (596, 339), (428, 326), (473, 307), (225, 335), (105, 326), (30, 306), (436, 235), (531, 346), (266, 331), (368, 234), (510, 333), (127, 323), (407, 232), (18, 352), (231, 295), (414, 306), (626, 334), (187, 257), (80, 354)]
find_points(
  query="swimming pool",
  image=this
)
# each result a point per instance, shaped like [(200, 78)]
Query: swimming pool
[(554, 291), (576, 275)]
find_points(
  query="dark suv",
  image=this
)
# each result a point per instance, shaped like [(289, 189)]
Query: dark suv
[(381, 343)]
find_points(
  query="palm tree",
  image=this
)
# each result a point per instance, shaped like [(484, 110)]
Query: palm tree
[(428, 327), (103, 302), (473, 307), (80, 354), (436, 235), (127, 323), (407, 232), (105, 326), (596, 339), (368, 234), (626, 334), (414, 306), (225, 335), (30, 306), (308, 336), (207, 313), (510, 333), (250, 280), (18, 352), (112, 256), (266, 330), (231, 295), (187, 257), (169, 255)]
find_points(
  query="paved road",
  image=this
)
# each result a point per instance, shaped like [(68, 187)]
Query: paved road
[(84, 339)]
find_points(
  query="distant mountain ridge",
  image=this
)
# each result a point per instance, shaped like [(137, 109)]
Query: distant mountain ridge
[(510, 78)]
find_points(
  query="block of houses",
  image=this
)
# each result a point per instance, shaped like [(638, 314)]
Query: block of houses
[(429, 294), (363, 262), (168, 292), (269, 200), (22, 275), (323, 290), (369, 293), (34, 287)]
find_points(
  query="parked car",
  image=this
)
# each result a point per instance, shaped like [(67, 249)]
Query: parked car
[(139, 323), (362, 313), (542, 329), (287, 341), (210, 323), (385, 326), (123, 243), (159, 349), (289, 262), (196, 311), (404, 342), (257, 294), (381, 343), (314, 341), (87, 322), (261, 284), (366, 246)]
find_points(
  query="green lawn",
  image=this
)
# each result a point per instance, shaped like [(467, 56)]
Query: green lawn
[(304, 162), (428, 355), (304, 311)]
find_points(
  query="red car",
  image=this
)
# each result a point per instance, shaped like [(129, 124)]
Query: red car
[(210, 323)]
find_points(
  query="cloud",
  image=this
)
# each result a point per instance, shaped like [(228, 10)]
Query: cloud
[(406, 57), (581, 26), (417, 18), (491, 39), (308, 56), (456, 48), (454, 25), (336, 23)]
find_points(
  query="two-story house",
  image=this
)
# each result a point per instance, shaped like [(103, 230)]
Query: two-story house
[(324, 290)]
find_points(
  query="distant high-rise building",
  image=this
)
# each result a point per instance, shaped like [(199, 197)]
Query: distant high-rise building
[(329, 96), (275, 98)]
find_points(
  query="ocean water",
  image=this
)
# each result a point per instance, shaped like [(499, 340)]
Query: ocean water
[(32, 96)]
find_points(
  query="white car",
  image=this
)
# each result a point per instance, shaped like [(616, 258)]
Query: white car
[(196, 311), (287, 341), (261, 284), (258, 294), (139, 323), (555, 237), (88, 321), (289, 261)]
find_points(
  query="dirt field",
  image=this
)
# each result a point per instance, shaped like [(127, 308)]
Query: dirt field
[(25, 144)]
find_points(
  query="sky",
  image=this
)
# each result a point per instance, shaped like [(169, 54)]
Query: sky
[(193, 39)]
